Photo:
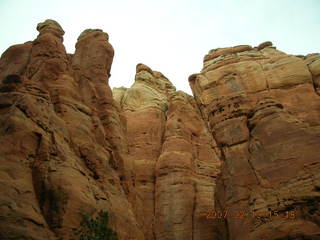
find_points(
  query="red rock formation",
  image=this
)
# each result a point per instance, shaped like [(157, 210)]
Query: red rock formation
[(264, 114), (174, 158), (68, 147), (58, 154), (157, 159)]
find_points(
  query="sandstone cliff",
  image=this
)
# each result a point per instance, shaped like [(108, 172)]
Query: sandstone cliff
[(63, 148), (174, 156), (157, 159), (263, 110)]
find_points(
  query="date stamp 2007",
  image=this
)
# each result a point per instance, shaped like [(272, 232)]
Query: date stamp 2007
[(241, 214)]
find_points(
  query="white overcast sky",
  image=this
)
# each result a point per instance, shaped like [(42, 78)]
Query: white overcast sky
[(170, 36)]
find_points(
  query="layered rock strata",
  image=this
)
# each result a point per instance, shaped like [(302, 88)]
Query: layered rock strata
[(62, 142), (243, 151), (70, 145), (263, 110), (174, 158)]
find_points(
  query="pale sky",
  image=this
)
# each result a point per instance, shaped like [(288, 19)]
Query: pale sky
[(170, 36)]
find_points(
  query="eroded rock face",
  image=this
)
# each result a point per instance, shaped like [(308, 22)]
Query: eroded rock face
[(70, 145), (157, 159), (174, 158), (263, 111), (59, 129)]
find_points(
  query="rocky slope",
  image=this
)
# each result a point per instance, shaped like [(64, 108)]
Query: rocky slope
[(239, 160)]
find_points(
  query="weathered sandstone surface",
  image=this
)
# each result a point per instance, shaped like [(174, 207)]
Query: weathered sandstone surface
[(63, 148), (263, 110), (158, 160), (174, 157)]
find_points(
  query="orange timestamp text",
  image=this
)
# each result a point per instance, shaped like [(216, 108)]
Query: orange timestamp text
[(241, 214)]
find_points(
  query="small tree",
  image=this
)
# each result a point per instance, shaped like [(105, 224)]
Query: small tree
[(95, 228)]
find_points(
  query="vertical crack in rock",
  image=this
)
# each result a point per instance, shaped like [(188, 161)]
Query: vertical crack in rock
[(313, 64)]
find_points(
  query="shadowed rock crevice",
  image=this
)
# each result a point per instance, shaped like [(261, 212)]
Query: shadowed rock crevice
[(313, 63), (52, 201)]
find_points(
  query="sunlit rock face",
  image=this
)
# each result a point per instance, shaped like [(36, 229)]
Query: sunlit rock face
[(174, 158), (70, 145), (63, 148), (263, 110), (164, 164)]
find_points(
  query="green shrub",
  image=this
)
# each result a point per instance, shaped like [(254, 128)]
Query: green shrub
[(95, 228)]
